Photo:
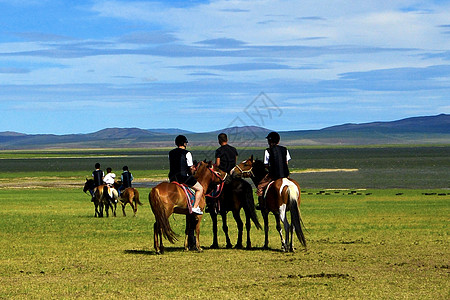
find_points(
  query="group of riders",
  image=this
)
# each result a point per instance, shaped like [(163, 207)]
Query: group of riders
[(182, 167), (109, 179)]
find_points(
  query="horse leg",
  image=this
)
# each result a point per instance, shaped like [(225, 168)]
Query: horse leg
[(265, 214), (225, 230), (123, 209), (155, 238), (100, 212), (215, 244), (240, 226), (282, 216), (248, 225), (134, 207), (291, 245)]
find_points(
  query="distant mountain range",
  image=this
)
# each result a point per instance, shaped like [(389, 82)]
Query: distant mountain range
[(415, 130)]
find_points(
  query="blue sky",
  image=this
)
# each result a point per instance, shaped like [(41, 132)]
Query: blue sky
[(81, 66)]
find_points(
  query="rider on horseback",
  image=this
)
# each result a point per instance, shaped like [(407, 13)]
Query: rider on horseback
[(226, 155), (109, 180), (276, 159), (126, 179), (97, 175), (181, 169)]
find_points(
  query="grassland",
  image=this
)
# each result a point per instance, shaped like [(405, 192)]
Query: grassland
[(374, 246), (378, 232)]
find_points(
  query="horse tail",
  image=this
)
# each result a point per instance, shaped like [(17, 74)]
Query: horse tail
[(162, 222), (249, 203), (296, 219), (105, 193), (136, 197)]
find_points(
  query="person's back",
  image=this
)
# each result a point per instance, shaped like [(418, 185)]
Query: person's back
[(278, 157), (126, 178), (179, 169), (226, 155), (97, 175), (109, 177)]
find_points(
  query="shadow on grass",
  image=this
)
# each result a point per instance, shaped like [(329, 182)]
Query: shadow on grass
[(152, 252), (181, 249)]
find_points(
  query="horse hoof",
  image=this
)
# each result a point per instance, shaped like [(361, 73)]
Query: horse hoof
[(229, 246), (249, 247), (214, 246), (199, 249), (238, 246)]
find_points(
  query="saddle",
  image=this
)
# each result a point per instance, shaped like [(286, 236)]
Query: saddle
[(190, 194)]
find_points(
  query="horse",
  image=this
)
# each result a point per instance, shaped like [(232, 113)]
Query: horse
[(89, 185), (167, 198), (101, 198), (281, 196), (236, 194), (128, 195)]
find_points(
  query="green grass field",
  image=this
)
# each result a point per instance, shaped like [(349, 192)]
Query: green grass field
[(378, 232), (374, 246)]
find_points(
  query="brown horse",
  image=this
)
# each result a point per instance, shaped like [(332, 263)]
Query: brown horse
[(129, 195), (281, 196), (168, 198)]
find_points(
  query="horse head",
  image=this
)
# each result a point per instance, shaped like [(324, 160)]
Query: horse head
[(244, 169), (217, 175), (88, 185), (259, 170)]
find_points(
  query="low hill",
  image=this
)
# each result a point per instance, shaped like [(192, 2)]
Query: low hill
[(415, 130)]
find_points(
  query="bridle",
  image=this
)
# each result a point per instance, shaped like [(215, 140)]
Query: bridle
[(249, 171)]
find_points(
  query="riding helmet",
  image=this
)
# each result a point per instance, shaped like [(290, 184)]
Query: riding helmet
[(180, 140)]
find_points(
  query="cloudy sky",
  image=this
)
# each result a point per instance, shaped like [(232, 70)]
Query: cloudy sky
[(81, 66)]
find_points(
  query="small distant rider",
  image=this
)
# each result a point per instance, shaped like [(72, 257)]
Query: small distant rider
[(109, 180), (226, 155), (126, 179), (97, 176), (276, 159), (181, 169)]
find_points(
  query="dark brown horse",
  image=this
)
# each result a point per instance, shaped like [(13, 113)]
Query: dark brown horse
[(168, 198), (237, 193), (281, 196), (101, 198)]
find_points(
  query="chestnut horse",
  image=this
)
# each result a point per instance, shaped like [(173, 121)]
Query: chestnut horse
[(168, 198), (237, 193), (281, 196), (129, 195)]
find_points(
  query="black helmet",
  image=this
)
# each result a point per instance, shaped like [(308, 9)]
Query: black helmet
[(180, 140), (273, 137)]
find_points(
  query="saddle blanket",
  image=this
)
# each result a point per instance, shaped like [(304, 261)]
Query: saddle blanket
[(190, 194)]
